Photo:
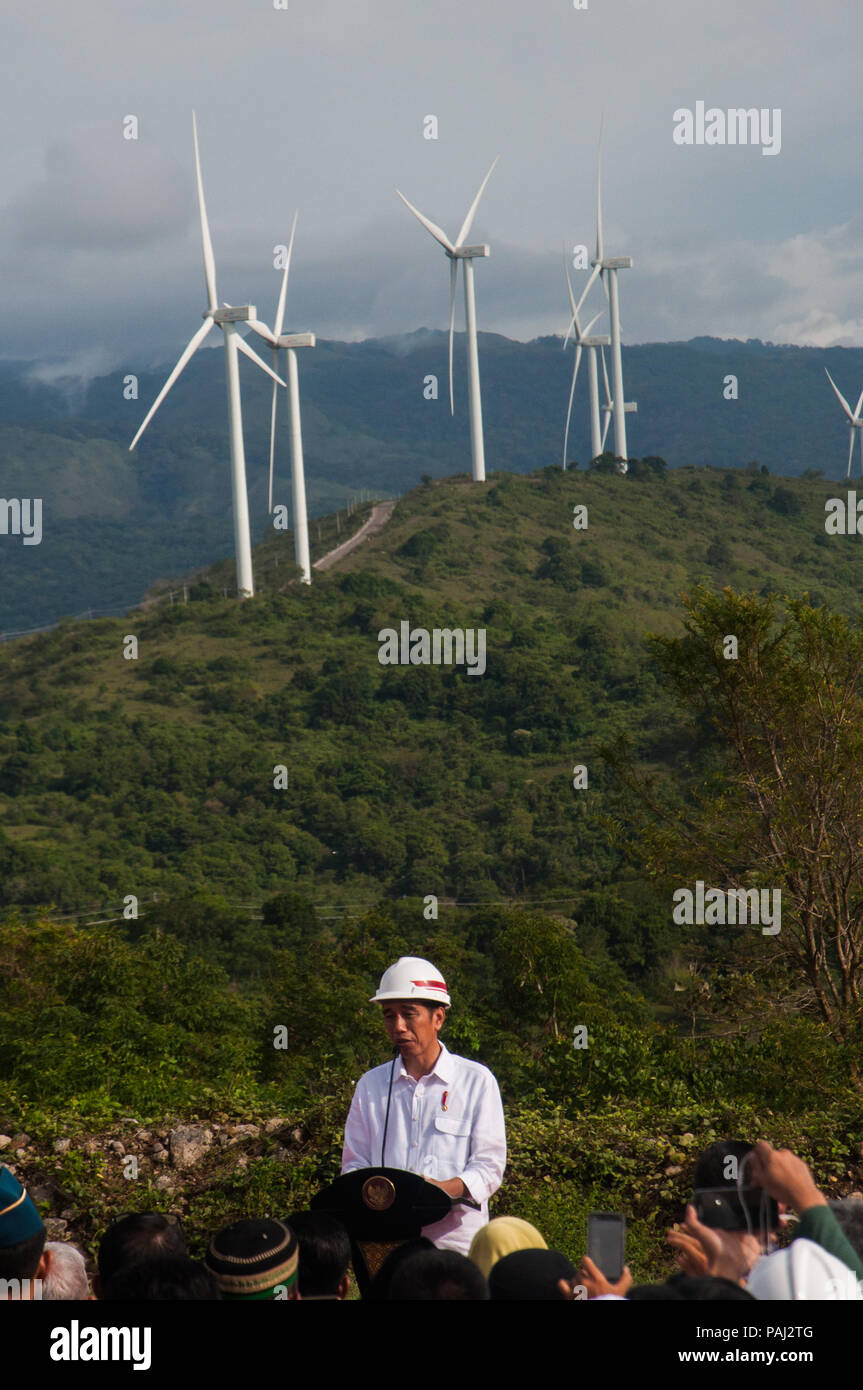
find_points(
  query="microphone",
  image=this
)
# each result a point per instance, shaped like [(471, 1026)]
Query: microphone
[(389, 1101)]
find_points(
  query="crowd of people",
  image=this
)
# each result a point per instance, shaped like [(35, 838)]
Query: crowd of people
[(729, 1245)]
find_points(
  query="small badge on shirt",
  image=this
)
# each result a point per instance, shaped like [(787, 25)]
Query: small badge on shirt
[(443, 1100)]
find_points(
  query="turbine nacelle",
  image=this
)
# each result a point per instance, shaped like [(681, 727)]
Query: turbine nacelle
[(294, 340), (468, 253), (232, 314), (629, 408), (613, 262), (594, 340)]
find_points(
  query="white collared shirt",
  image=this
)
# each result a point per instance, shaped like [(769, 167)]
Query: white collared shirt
[(449, 1124)]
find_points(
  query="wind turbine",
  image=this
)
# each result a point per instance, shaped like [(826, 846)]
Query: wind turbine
[(457, 251), (227, 319), (855, 422), (583, 340), (608, 266), (290, 341)]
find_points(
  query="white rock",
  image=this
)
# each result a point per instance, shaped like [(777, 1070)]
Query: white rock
[(188, 1144)]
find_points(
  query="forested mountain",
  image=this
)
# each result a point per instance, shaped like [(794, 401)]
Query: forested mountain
[(114, 522)]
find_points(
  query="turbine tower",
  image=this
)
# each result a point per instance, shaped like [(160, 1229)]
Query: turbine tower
[(227, 319), (608, 266), (630, 408), (457, 251), (584, 340), (855, 422), (290, 342)]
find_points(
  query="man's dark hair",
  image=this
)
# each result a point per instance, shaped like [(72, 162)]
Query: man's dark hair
[(325, 1252), (22, 1260), (145, 1235), (441, 1275), (530, 1275), (705, 1288), (379, 1289), (654, 1293), (849, 1214), (166, 1278), (711, 1165)]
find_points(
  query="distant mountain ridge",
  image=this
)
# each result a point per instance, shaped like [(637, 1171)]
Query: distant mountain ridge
[(115, 522)]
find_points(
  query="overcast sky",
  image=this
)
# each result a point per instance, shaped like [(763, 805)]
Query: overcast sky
[(321, 106)]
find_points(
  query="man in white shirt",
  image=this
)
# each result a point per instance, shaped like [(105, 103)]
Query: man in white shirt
[(428, 1111)]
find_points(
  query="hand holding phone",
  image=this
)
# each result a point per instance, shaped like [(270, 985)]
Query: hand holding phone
[(606, 1242)]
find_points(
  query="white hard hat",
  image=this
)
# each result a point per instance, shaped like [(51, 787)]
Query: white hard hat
[(803, 1271), (412, 978)]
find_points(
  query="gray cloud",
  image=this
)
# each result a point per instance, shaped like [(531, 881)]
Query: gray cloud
[(100, 192), (321, 107)]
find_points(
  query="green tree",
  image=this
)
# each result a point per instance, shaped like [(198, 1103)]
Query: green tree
[(779, 800)]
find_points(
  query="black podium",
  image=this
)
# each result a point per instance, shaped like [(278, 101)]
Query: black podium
[(380, 1209)]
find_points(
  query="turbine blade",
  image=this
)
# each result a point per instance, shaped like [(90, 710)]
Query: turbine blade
[(206, 243), (253, 357), (605, 432), (590, 325), (262, 331), (280, 311), (850, 453), (599, 239), (273, 430), (468, 221), (453, 276), (190, 349), (859, 403), (586, 291), (569, 407), (429, 226), (573, 320), (605, 379), (845, 406)]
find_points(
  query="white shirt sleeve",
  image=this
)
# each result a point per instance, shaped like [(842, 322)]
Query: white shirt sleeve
[(487, 1161), (357, 1148)]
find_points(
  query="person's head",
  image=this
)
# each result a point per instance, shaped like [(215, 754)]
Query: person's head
[(849, 1214), (379, 1289), (531, 1275), (161, 1279), (727, 1202), (255, 1260), (66, 1281), (143, 1235), (705, 1288), (414, 1000), (438, 1275), (324, 1254), (412, 1024), (22, 1235), (501, 1237)]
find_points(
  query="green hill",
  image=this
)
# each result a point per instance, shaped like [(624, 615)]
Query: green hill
[(144, 775), (262, 906)]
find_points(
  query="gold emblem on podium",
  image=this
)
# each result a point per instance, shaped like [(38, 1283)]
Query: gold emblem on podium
[(378, 1193)]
